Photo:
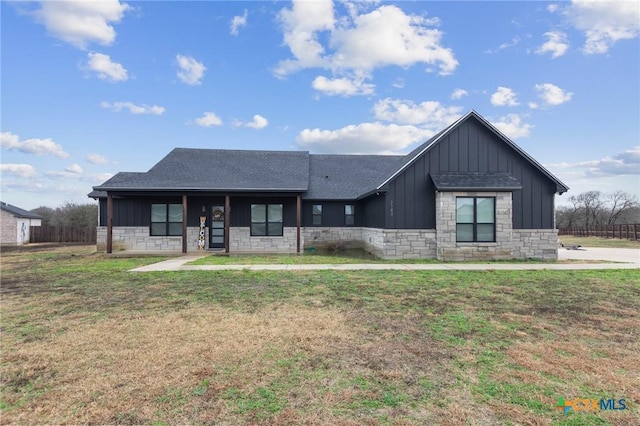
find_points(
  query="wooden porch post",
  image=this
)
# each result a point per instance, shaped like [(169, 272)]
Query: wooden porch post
[(227, 217), (298, 221), (109, 223), (184, 223)]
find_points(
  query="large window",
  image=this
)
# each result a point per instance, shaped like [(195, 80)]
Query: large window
[(475, 219), (316, 214), (266, 219), (166, 219), (349, 215)]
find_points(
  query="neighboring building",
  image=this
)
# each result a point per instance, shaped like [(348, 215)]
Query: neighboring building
[(15, 224), (467, 193)]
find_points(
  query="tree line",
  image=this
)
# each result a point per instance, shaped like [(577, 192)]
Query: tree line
[(69, 215), (593, 208)]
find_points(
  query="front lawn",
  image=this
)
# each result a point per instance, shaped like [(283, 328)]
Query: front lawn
[(85, 341)]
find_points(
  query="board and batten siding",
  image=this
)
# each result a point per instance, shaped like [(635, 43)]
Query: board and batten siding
[(470, 147)]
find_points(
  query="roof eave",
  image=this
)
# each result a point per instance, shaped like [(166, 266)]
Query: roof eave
[(480, 189)]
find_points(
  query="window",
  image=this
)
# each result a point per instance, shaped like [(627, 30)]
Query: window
[(349, 215), (266, 219), (316, 214), (475, 219), (166, 219)]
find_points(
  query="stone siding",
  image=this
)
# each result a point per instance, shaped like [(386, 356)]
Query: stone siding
[(347, 237), (450, 250), (138, 238), (384, 243), (241, 241), (535, 244)]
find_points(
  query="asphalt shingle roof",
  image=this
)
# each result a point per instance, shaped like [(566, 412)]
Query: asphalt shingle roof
[(18, 212), (475, 181), (347, 177), (220, 170)]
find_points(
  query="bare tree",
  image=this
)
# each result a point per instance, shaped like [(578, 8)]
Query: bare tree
[(595, 208), (620, 202)]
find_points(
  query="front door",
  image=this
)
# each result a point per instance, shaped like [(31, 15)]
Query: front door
[(216, 231)]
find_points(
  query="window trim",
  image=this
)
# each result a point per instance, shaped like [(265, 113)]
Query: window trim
[(267, 221), (316, 215), (352, 215), (166, 222), (475, 219)]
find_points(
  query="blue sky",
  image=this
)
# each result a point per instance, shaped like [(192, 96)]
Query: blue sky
[(92, 88)]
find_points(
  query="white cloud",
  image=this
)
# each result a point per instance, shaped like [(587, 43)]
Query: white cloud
[(398, 83), (552, 94), (623, 163), (604, 22), (96, 159), (504, 96), (410, 123), (47, 146), (552, 8), (556, 44), (512, 126), (133, 108), (342, 86), (429, 114), (208, 119), (354, 46), (237, 22), (506, 45), (387, 36), (259, 122), (458, 94), (365, 138), (190, 71), (20, 170), (533, 105), (81, 22), (301, 25), (105, 68), (74, 171)]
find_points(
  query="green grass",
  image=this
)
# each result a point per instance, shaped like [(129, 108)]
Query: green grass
[(85, 341), (339, 257)]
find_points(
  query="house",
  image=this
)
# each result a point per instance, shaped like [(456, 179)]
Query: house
[(467, 193), (15, 224)]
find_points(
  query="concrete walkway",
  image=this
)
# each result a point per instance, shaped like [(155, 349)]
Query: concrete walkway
[(624, 258)]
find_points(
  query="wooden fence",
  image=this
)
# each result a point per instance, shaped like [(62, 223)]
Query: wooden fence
[(627, 232), (63, 234)]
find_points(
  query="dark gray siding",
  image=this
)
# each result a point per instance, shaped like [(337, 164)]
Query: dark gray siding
[(332, 213), (372, 211), (469, 147)]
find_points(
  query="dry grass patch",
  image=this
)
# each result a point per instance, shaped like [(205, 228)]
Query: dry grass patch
[(140, 364)]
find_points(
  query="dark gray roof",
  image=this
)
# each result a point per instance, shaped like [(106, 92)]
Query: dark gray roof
[(18, 212), (347, 177), (475, 181), (219, 170)]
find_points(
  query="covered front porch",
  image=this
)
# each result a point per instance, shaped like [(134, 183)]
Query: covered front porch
[(228, 223)]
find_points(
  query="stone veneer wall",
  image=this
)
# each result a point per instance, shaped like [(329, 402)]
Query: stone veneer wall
[(535, 243), (449, 249), (138, 238), (241, 241), (384, 243)]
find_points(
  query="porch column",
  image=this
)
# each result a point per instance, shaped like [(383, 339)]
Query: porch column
[(298, 221), (227, 216), (109, 223), (184, 223)]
